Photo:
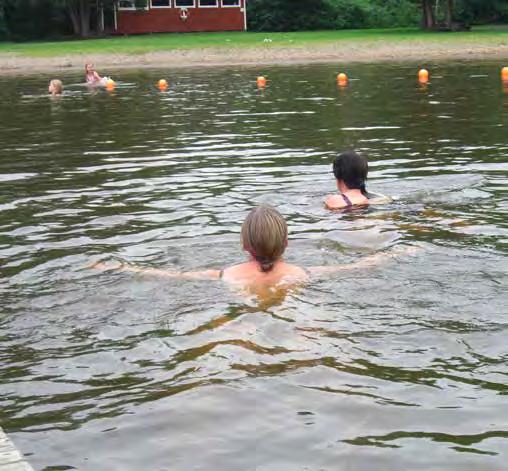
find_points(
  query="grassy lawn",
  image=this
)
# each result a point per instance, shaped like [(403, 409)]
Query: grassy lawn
[(487, 35)]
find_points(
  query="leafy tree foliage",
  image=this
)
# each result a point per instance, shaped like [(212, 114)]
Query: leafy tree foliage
[(293, 15), (83, 14), (28, 19), (482, 10)]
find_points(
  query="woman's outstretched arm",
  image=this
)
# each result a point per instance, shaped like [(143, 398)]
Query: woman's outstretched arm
[(190, 275), (369, 261)]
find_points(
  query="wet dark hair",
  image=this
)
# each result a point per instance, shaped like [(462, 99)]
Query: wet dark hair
[(352, 169)]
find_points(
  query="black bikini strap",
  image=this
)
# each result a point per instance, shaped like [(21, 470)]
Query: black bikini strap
[(346, 199)]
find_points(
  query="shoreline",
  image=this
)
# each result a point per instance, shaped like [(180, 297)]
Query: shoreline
[(340, 52)]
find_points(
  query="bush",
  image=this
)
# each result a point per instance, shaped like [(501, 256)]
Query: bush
[(481, 11), (290, 15), (26, 19), (293, 15), (392, 13)]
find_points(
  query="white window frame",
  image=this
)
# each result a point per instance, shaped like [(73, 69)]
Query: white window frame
[(190, 6), (156, 7), (217, 5), (132, 8), (231, 6)]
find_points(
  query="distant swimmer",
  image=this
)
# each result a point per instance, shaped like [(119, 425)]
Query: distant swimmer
[(264, 236), (55, 87), (351, 170), (93, 78)]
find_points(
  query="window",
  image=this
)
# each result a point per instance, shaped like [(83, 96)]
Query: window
[(161, 3), (230, 3), (133, 5), (184, 3), (126, 5), (208, 3)]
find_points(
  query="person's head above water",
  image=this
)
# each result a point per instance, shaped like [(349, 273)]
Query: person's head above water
[(55, 87), (264, 236), (352, 170)]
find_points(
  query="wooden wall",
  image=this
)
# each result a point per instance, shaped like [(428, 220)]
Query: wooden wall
[(161, 20)]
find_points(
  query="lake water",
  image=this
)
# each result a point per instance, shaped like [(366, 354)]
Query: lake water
[(402, 366)]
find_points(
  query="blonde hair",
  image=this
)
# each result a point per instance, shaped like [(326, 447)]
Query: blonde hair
[(264, 236), (57, 86)]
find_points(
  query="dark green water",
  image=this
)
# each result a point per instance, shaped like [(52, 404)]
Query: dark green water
[(397, 367)]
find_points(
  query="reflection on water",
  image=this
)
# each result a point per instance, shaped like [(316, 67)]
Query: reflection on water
[(400, 366)]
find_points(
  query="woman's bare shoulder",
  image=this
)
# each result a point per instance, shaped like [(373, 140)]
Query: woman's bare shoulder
[(236, 273), (295, 272), (335, 202), (247, 272)]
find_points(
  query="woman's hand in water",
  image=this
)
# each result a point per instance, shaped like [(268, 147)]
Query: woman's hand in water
[(106, 266), (369, 261), (378, 258), (118, 266)]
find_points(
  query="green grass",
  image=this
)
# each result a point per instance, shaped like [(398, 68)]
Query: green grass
[(488, 35)]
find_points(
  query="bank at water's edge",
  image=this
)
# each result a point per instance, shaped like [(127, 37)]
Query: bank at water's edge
[(215, 49)]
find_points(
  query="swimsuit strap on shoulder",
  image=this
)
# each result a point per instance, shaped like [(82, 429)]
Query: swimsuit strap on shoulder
[(346, 199)]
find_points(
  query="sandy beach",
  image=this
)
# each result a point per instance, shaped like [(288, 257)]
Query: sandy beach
[(341, 52)]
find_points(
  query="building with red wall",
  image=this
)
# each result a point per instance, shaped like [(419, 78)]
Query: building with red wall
[(180, 16)]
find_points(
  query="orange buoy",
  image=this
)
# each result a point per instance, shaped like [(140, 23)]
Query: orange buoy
[(342, 79), (423, 75), (110, 85), (261, 81), (162, 84), (504, 74)]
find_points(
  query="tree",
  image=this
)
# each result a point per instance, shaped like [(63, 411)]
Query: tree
[(80, 13), (3, 24), (428, 17), (431, 10), (449, 14)]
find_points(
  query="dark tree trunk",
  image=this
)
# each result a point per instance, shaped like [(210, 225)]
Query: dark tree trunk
[(3, 25), (428, 17), (84, 13), (79, 13), (74, 16), (100, 17), (449, 14)]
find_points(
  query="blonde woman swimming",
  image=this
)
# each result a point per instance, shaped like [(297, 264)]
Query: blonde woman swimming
[(264, 237)]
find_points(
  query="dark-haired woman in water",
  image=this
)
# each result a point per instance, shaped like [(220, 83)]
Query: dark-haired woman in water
[(350, 170), (264, 237)]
